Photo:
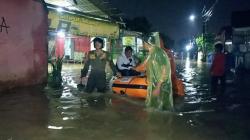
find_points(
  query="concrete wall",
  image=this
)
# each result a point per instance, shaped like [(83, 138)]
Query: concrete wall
[(23, 43)]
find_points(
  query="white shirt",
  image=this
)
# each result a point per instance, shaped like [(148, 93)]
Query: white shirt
[(123, 60)]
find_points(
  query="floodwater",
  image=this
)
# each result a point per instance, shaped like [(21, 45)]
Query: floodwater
[(69, 114)]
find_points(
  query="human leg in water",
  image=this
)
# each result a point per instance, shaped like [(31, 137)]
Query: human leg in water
[(101, 82)]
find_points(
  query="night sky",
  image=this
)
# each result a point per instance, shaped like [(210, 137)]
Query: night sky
[(172, 16)]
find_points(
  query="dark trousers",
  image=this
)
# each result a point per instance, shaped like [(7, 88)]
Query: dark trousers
[(96, 80), (129, 72), (216, 88)]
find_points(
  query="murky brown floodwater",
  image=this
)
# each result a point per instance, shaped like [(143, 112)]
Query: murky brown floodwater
[(42, 113)]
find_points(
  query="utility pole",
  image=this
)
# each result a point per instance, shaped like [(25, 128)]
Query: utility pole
[(206, 15)]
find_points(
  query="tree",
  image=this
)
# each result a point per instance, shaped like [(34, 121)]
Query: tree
[(205, 44), (140, 24)]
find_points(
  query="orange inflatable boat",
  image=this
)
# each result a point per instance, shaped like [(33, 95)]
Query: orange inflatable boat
[(134, 86)]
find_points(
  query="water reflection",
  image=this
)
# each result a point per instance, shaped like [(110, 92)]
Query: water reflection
[(188, 70), (67, 113), (196, 79), (97, 102), (23, 112)]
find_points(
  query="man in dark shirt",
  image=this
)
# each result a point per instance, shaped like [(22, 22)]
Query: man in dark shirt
[(96, 61)]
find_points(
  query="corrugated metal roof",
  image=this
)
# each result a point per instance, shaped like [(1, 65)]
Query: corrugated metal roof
[(98, 8)]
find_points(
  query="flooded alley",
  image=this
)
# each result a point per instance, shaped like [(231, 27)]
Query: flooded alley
[(153, 70), (69, 114)]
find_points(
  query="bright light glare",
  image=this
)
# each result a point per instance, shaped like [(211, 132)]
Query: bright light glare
[(59, 9), (192, 17), (60, 34), (228, 43), (55, 127), (188, 47)]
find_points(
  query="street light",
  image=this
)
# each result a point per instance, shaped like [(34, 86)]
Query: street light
[(192, 17), (188, 46)]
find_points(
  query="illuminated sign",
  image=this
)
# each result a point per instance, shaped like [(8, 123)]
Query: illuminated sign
[(128, 41), (77, 25)]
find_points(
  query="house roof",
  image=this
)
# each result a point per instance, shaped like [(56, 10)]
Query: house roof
[(96, 8)]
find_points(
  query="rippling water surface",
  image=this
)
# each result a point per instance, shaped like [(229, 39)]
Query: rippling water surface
[(69, 114)]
